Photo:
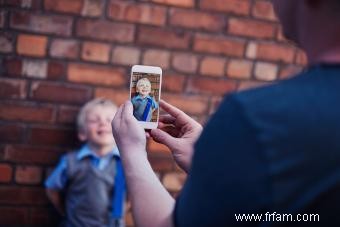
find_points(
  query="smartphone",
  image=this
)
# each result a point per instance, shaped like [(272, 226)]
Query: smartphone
[(145, 93)]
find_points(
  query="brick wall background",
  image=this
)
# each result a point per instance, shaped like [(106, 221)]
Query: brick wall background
[(57, 54)]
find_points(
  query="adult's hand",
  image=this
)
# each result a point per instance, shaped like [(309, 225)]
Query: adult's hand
[(179, 132), (129, 135)]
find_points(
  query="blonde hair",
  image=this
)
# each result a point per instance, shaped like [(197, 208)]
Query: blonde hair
[(81, 118), (143, 79)]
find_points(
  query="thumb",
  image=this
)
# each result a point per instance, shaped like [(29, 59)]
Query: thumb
[(163, 138), (127, 108)]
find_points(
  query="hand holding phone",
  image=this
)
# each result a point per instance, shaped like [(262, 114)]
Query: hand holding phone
[(145, 90)]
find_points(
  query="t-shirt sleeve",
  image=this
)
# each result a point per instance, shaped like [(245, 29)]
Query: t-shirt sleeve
[(154, 104), (228, 173), (57, 179)]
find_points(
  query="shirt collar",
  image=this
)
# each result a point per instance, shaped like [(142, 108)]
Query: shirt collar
[(140, 97), (86, 151)]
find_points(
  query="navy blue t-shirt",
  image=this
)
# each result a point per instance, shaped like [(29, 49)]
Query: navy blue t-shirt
[(271, 149)]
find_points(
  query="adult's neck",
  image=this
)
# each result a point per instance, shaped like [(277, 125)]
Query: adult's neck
[(101, 150), (320, 38)]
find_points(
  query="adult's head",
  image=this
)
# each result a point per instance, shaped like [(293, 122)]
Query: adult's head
[(312, 24)]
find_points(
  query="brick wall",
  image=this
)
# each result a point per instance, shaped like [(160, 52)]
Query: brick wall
[(57, 54)]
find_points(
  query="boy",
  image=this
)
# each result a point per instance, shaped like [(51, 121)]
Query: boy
[(143, 104), (88, 187)]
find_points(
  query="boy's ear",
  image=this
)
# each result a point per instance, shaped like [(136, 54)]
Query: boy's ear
[(82, 136)]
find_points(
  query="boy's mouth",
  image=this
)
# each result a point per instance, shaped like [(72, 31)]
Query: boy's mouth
[(103, 132)]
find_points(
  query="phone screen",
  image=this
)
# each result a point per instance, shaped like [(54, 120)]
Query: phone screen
[(145, 95)]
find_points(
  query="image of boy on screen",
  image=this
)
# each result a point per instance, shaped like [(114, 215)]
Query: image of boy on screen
[(143, 104)]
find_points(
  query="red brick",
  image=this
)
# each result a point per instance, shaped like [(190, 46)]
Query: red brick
[(161, 162), (35, 68), (219, 45), (301, 58), (159, 58), (101, 75), (157, 147), (93, 8), (52, 136), (61, 93), (174, 181), (11, 133), (117, 96), (213, 66), (185, 62), (28, 175), (25, 154), (104, 30), (97, 52), (251, 28), (125, 55), (240, 7), (192, 105), (215, 103), (5, 173), (163, 37), (31, 4), (178, 3), (137, 13), (211, 86), (13, 66), (279, 36), (239, 69), (52, 24), (67, 115), (11, 88), (6, 44), (245, 85), (3, 15), (275, 52), (266, 71), (26, 112), (263, 10), (64, 6), (32, 45), (14, 216), (62, 48), (196, 20), (173, 82), (43, 216), (289, 71), (56, 70), (22, 195), (129, 219)]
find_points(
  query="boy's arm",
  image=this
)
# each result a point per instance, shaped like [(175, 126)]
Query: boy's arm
[(57, 200), (54, 185)]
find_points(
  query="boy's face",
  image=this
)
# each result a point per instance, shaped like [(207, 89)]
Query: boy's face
[(144, 88), (97, 130)]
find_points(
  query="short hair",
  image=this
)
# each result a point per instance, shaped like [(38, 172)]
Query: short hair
[(143, 79), (81, 118)]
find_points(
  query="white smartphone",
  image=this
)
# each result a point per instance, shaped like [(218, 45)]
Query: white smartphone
[(145, 93)]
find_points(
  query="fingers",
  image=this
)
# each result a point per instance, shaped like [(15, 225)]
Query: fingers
[(163, 137), (170, 109), (171, 131), (127, 108), (167, 119)]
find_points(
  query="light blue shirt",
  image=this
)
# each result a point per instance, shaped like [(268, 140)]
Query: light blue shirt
[(139, 104), (57, 180)]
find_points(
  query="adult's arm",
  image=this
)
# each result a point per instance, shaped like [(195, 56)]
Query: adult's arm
[(151, 204)]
